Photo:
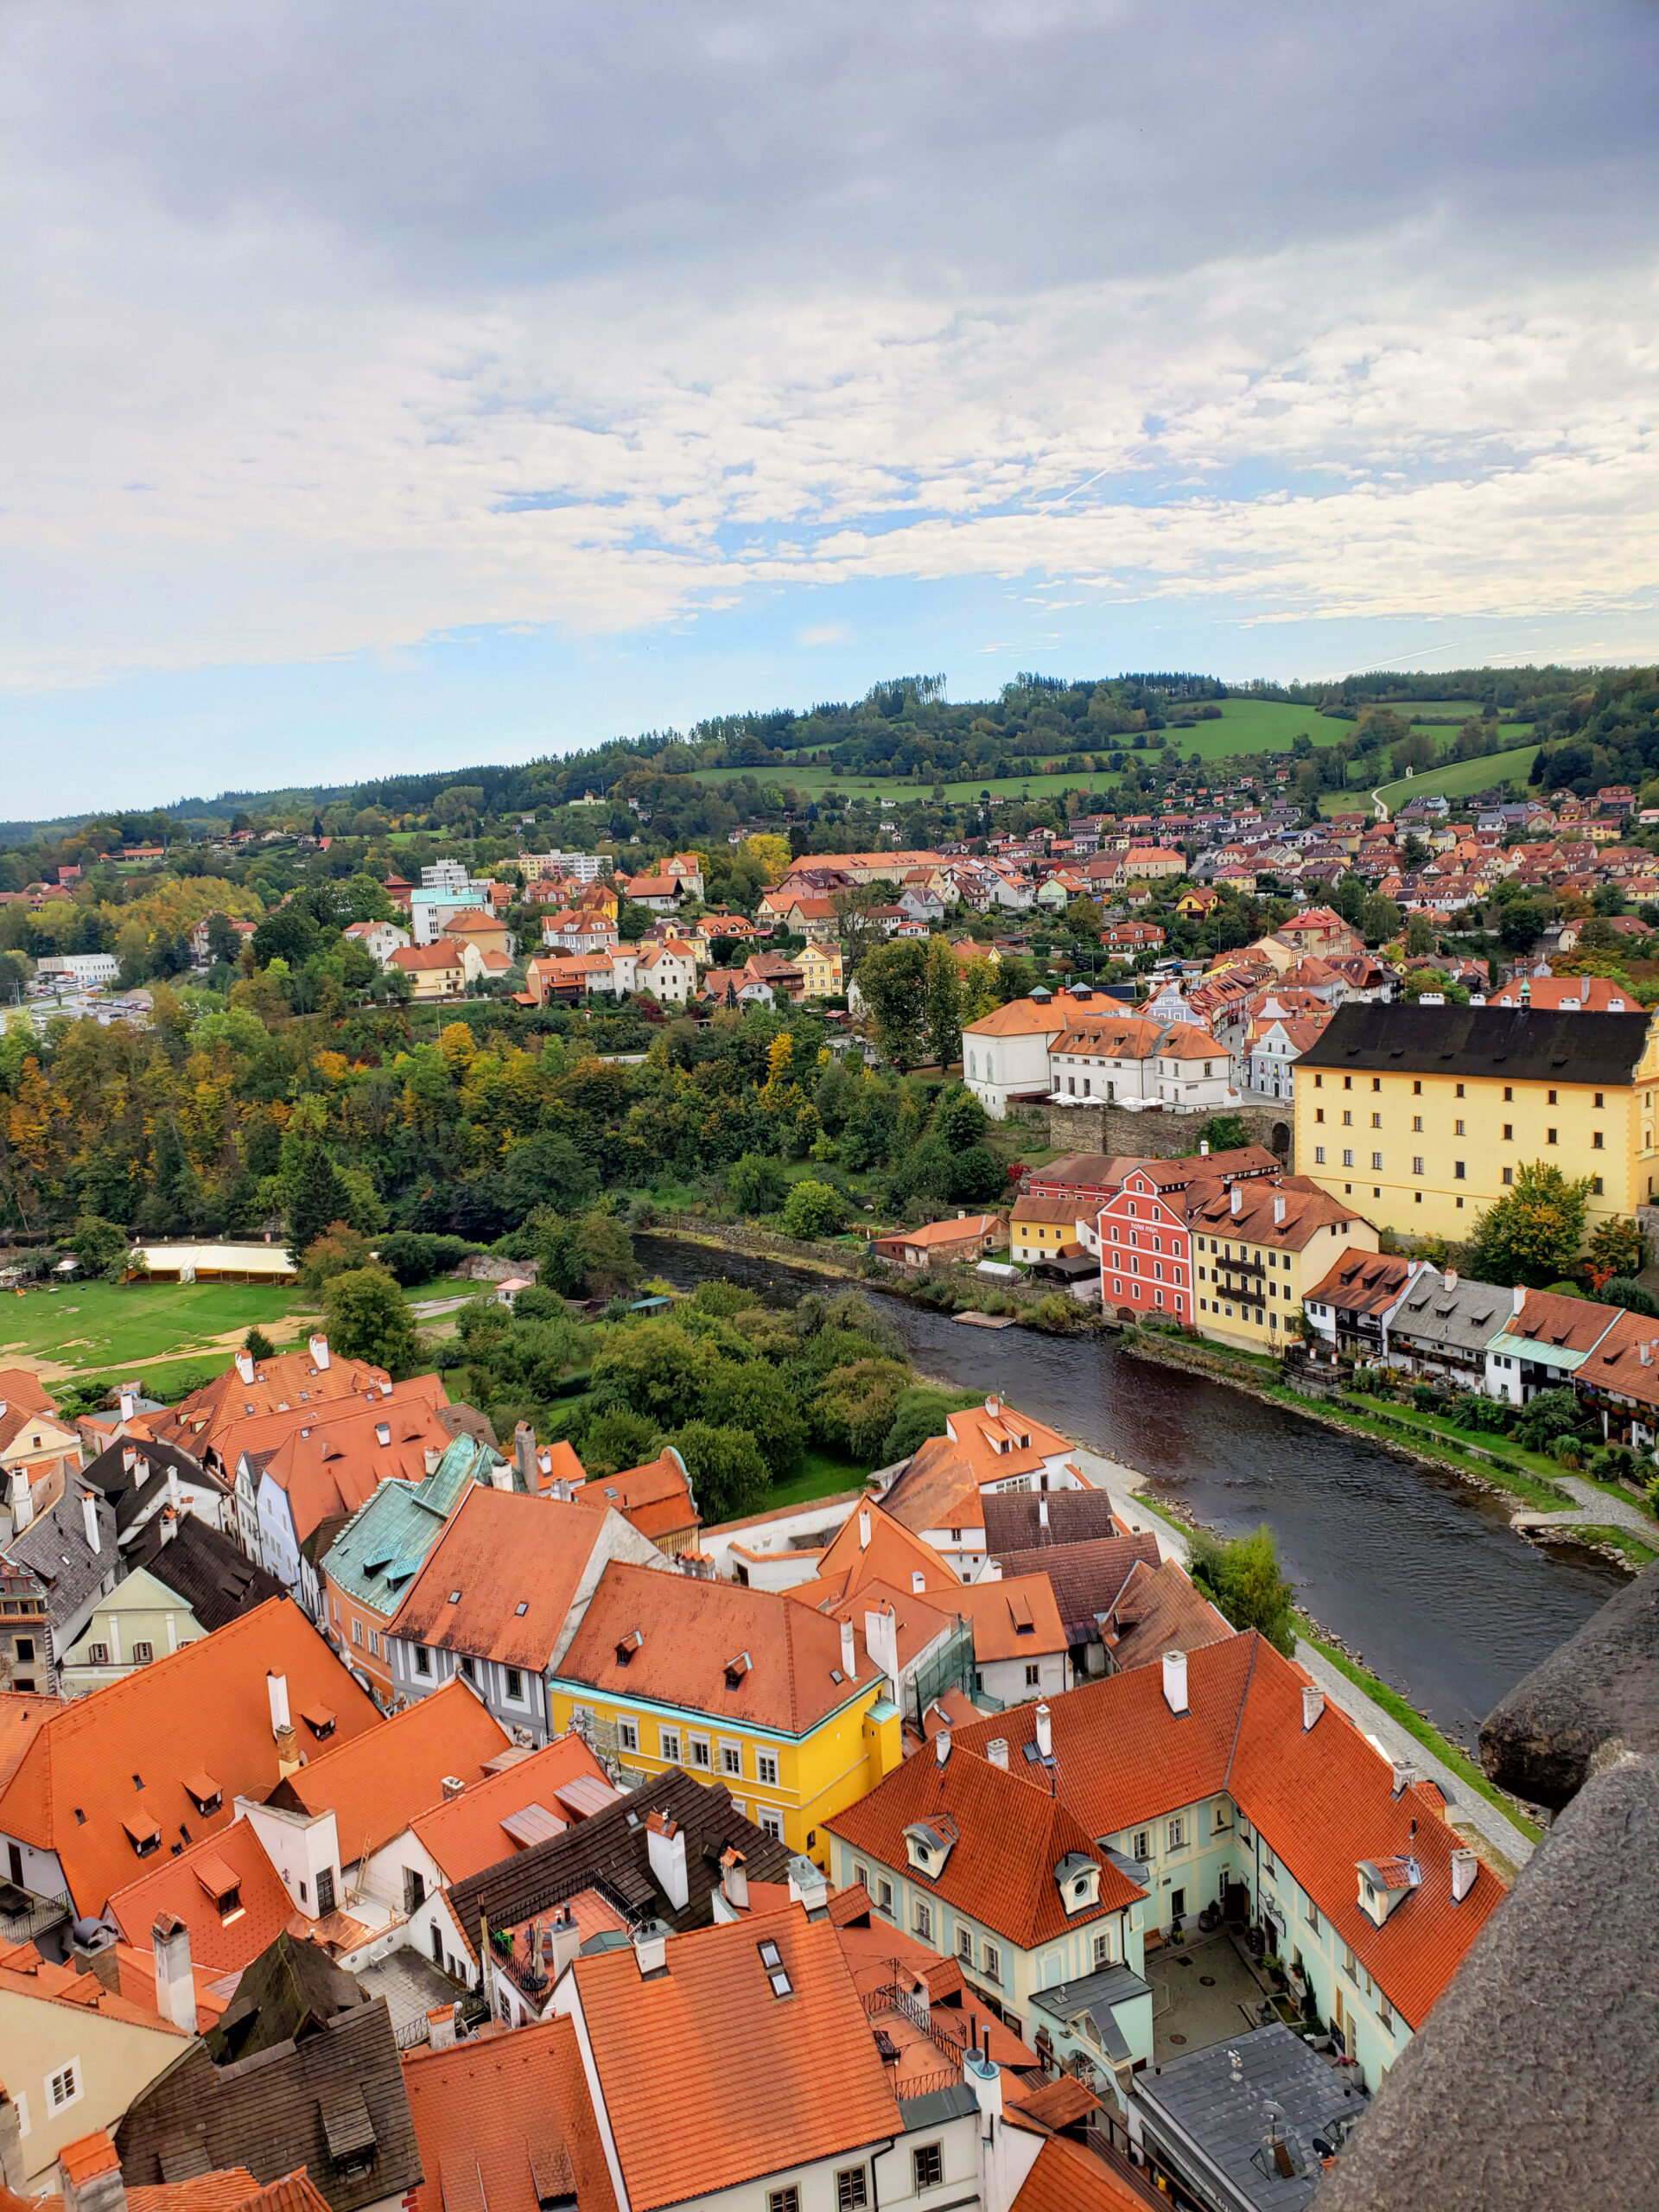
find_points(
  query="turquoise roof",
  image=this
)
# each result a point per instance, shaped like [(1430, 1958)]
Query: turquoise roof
[(384, 1544)]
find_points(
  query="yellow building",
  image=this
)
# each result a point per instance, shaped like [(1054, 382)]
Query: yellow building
[(820, 967), (1423, 1115), (1041, 1229), (742, 1686), (1256, 1247)]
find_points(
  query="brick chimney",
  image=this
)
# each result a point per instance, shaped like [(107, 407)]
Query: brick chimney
[(440, 2026), (89, 2176), (561, 1940), (176, 1987), (281, 1726), (808, 1885)]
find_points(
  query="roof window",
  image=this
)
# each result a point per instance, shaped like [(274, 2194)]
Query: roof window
[(776, 1973), (319, 1720), (144, 1834), (522, 1607), (628, 1645), (736, 1668)]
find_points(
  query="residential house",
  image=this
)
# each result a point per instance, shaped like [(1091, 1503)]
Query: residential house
[(435, 971), (379, 939), (55, 1570), (1442, 1328), (666, 972), (1041, 1229), (367, 1569), (1275, 1045), (32, 1435), (1081, 1047), (431, 907), (1157, 1610), (735, 986), (222, 1891), (141, 1476), (1021, 1650), (660, 895), (656, 1499), (108, 1780), (500, 1596), (1086, 1578), (205, 1423), (1353, 1303), (1153, 863), (541, 2144), (1256, 1247), (302, 2071), (970, 1237), (1142, 1230), (735, 1685), (1426, 1111), (1545, 1340), (821, 970), (579, 930), (183, 1579), (1566, 994), (941, 1493)]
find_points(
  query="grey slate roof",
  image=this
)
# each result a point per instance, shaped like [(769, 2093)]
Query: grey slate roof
[(608, 1853), (1212, 2111), (1481, 1040), (1461, 1317), (53, 1548), (291, 1988), (275, 2111), (110, 1472), (213, 1576), (1096, 1994)]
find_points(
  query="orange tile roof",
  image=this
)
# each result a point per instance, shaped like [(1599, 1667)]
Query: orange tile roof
[(655, 1498), (331, 1464), (285, 1381), (501, 1551), (376, 1784), (135, 1973), (1019, 1018), (205, 1706), (1010, 1836), (506, 2121), (232, 2188), (1015, 1618), (1157, 1611), (1322, 1797), (686, 2120), (21, 1713), (24, 1972), (185, 1887), (1067, 2178), (893, 1554), (956, 1231), (694, 1631), (466, 1836), (1307, 1209), (918, 1621)]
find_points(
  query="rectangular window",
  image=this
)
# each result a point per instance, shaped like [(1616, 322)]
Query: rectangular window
[(1509, 1092), (1596, 1191), (769, 1820), (991, 1967), (1318, 1155), (1347, 1120), (731, 1759), (357, 1632), (1417, 1163), (1031, 1675), (1457, 1129), (1385, 2013), (1509, 1174), (922, 1920), (1102, 1950), (1313, 1916), (884, 1897), (422, 1660), (852, 2189), (1553, 1097), (965, 1944), (783, 2200), (98, 1655), (1550, 1136), (701, 1752), (1460, 1090), (1458, 1175), (1376, 1162), (669, 1745), (1417, 1089), (766, 1768), (1319, 1083), (1141, 1847), (1347, 1159), (1376, 1121), (1595, 1140), (1177, 1833), (142, 1653), (928, 2159), (1417, 1123), (1319, 1113), (1508, 1132), (1350, 1965), (627, 1735), (63, 2086), (515, 1685)]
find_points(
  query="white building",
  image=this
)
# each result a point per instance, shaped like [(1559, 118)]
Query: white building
[(80, 967), (379, 939)]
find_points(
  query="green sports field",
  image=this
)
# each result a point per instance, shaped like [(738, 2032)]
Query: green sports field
[(92, 1325)]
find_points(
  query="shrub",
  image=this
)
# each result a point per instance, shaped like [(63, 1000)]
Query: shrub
[(813, 1210), (414, 1257), (757, 1183), (978, 1178), (1634, 1297), (1244, 1582), (257, 1345), (724, 1300)]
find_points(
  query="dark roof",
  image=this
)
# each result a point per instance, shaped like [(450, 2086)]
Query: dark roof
[(1223, 2102), (217, 1581), (289, 1988), (1086, 1577), (1013, 1520), (55, 1549), (1482, 1040), (279, 2111), (110, 1472), (608, 1852)]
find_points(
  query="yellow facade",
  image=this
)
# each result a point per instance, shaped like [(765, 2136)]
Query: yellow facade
[(797, 1780), (820, 970), (1425, 1153), (1250, 1293)]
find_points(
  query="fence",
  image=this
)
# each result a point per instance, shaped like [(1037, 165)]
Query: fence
[(37, 1917)]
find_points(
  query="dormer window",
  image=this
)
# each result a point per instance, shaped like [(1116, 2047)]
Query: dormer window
[(203, 1792), (142, 1834), (319, 1720), (629, 1643), (736, 1670)]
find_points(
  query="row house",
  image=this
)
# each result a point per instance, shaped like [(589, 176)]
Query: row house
[(986, 1450)]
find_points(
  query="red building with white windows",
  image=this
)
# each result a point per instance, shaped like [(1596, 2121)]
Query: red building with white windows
[(1146, 1264)]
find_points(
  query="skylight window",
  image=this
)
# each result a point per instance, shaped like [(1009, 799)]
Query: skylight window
[(777, 1974), (523, 1606), (454, 1597)]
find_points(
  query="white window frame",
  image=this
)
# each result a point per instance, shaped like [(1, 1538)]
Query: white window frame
[(921, 1920), (513, 1697), (990, 1963), (701, 1754), (72, 2070), (770, 1821), (766, 1768), (1175, 1832), (731, 1758), (669, 1745)]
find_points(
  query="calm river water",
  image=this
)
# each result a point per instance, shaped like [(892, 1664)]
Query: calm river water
[(1419, 1574)]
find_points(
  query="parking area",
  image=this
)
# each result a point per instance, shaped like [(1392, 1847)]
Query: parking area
[(1202, 1993)]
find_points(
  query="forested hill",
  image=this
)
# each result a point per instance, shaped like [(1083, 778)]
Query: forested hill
[(905, 727)]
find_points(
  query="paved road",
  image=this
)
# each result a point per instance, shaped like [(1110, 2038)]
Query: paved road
[(1594, 1507), (1468, 1808)]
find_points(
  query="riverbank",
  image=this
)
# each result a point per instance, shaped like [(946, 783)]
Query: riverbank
[(1554, 1510)]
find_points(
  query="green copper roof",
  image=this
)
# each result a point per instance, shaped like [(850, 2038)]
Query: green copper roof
[(383, 1545)]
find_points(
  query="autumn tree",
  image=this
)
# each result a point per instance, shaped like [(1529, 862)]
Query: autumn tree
[(1532, 1235)]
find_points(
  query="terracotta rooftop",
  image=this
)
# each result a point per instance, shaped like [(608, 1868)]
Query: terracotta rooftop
[(1014, 1618), (1085, 1578), (655, 1498), (686, 2121), (1361, 1282), (285, 1382), (466, 1834), (1158, 1610), (114, 1765), (505, 2124), (893, 1555), (377, 1782), (224, 1889), (329, 1466)]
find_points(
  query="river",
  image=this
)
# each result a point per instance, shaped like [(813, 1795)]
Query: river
[(1415, 1571)]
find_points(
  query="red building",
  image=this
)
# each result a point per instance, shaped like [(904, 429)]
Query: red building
[(1146, 1263)]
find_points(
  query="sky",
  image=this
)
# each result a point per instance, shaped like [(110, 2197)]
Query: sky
[(395, 385)]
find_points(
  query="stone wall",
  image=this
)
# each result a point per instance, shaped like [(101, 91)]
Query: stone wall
[(1095, 1126)]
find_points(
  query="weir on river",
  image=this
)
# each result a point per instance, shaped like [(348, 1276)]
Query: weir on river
[(1417, 1571)]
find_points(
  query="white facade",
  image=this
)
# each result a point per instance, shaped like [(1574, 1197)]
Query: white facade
[(81, 967), (429, 911), (997, 1069)]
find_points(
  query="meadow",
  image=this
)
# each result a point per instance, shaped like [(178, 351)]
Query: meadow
[(89, 1326), (1457, 780)]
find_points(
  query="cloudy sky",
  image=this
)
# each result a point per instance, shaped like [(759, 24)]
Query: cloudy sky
[(397, 384)]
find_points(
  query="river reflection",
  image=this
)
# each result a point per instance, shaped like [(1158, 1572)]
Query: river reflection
[(1418, 1573)]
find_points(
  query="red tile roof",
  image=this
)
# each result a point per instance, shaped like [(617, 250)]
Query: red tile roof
[(205, 1706), (692, 1630), (1322, 1797), (187, 1886), (505, 2122), (1067, 2178), (376, 1784), (232, 2188), (331, 1463), (655, 1498), (893, 1555), (1014, 1619), (501, 1551), (1010, 1836), (466, 1836), (783, 2081)]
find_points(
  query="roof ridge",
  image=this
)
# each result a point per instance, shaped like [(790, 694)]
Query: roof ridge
[(1255, 1634)]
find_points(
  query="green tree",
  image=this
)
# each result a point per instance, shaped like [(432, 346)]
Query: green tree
[(813, 1210), (545, 1169), (1379, 921), (1521, 926), (1532, 1235), (857, 1405), (339, 1250), (894, 984), (977, 1178), (320, 1197), (616, 1438), (757, 1183), (1420, 938), (1617, 1247), (1415, 751), (224, 943), (728, 1475), (1634, 1297), (755, 1397), (101, 1247), (257, 1345), (367, 1319), (942, 1003), (1242, 1579), (1224, 1133), (919, 1413), (959, 1118), (656, 1369)]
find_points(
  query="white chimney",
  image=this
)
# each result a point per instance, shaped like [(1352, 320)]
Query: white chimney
[(942, 1747), (1235, 1197), (561, 1940), (1517, 1298), (1404, 1775), (172, 1488), (1278, 1212), (176, 1987), (277, 1686), (1451, 1278), (993, 1407), (734, 1878), (881, 1641), (1042, 1513), (1312, 1706), (89, 1521), (848, 1652), (320, 1352), (863, 1529), (441, 2026), (992, 1571), (453, 1787), (244, 1365), (129, 1404), (666, 1849), (23, 1503), (808, 1885), (1203, 1148), (650, 1948), (997, 1752), (1175, 1680), (1045, 1734), (982, 2074), (1465, 1867)]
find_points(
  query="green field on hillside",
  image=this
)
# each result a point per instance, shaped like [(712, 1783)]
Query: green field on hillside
[(1457, 780)]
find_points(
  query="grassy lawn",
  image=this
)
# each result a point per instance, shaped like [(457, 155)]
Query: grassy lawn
[(822, 1473), (98, 1324), (1456, 781), (1414, 1724), (171, 1381), (1619, 1540), (1528, 1476)]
